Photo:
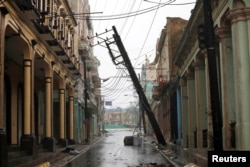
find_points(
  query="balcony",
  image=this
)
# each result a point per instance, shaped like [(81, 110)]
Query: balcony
[(28, 8), (44, 30), (84, 49), (92, 104), (91, 65)]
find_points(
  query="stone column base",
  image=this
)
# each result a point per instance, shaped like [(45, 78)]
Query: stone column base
[(71, 142), (62, 142), (49, 143), (4, 149), (29, 144)]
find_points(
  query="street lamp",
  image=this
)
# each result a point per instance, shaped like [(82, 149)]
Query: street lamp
[(106, 79), (134, 95)]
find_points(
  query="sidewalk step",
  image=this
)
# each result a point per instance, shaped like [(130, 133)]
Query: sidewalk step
[(17, 158)]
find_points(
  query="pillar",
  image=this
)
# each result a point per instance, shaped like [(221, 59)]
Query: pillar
[(240, 31), (227, 87), (71, 117), (185, 114), (191, 109), (200, 94), (3, 135), (62, 103), (28, 141), (49, 140), (179, 116)]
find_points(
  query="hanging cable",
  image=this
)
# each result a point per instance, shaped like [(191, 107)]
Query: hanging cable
[(147, 34), (132, 23), (125, 15)]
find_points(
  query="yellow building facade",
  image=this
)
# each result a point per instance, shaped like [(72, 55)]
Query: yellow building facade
[(41, 76)]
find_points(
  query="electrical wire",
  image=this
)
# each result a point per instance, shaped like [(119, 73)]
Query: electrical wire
[(111, 92), (132, 23), (113, 84), (120, 21), (147, 33), (90, 16), (117, 2), (118, 92), (116, 85), (125, 15), (126, 20)]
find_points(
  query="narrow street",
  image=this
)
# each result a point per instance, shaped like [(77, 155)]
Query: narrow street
[(111, 151)]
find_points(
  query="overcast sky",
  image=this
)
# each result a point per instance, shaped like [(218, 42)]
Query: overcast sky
[(139, 23)]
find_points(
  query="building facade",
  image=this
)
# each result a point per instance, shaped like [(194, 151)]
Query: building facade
[(190, 98), (230, 23), (47, 98), (116, 118), (148, 80), (164, 104)]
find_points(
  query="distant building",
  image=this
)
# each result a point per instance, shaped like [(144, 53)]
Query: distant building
[(115, 118), (128, 117)]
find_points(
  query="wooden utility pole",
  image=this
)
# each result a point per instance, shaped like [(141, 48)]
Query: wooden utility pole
[(138, 86)]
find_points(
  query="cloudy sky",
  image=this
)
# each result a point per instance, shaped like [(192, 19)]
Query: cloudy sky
[(139, 23)]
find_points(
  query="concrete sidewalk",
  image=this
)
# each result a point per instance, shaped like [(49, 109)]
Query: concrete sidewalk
[(180, 157), (59, 158)]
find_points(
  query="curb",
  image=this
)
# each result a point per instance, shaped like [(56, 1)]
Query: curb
[(169, 155)]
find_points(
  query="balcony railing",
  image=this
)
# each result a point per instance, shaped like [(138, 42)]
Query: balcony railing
[(54, 28), (29, 8)]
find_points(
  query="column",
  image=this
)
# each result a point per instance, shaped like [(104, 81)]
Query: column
[(240, 31), (200, 86), (62, 103), (179, 116), (49, 141), (71, 117), (28, 141), (227, 87), (184, 109), (3, 135), (191, 109)]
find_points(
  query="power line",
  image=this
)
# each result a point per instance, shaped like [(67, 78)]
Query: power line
[(125, 15), (132, 23), (125, 22), (147, 34)]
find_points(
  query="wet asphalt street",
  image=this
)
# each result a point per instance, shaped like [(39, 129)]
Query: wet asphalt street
[(111, 152)]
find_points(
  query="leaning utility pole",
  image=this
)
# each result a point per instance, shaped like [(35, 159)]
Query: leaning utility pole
[(138, 86), (126, 62), (214, 88)]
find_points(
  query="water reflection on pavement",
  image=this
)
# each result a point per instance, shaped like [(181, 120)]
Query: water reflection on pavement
[(111, 152)]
